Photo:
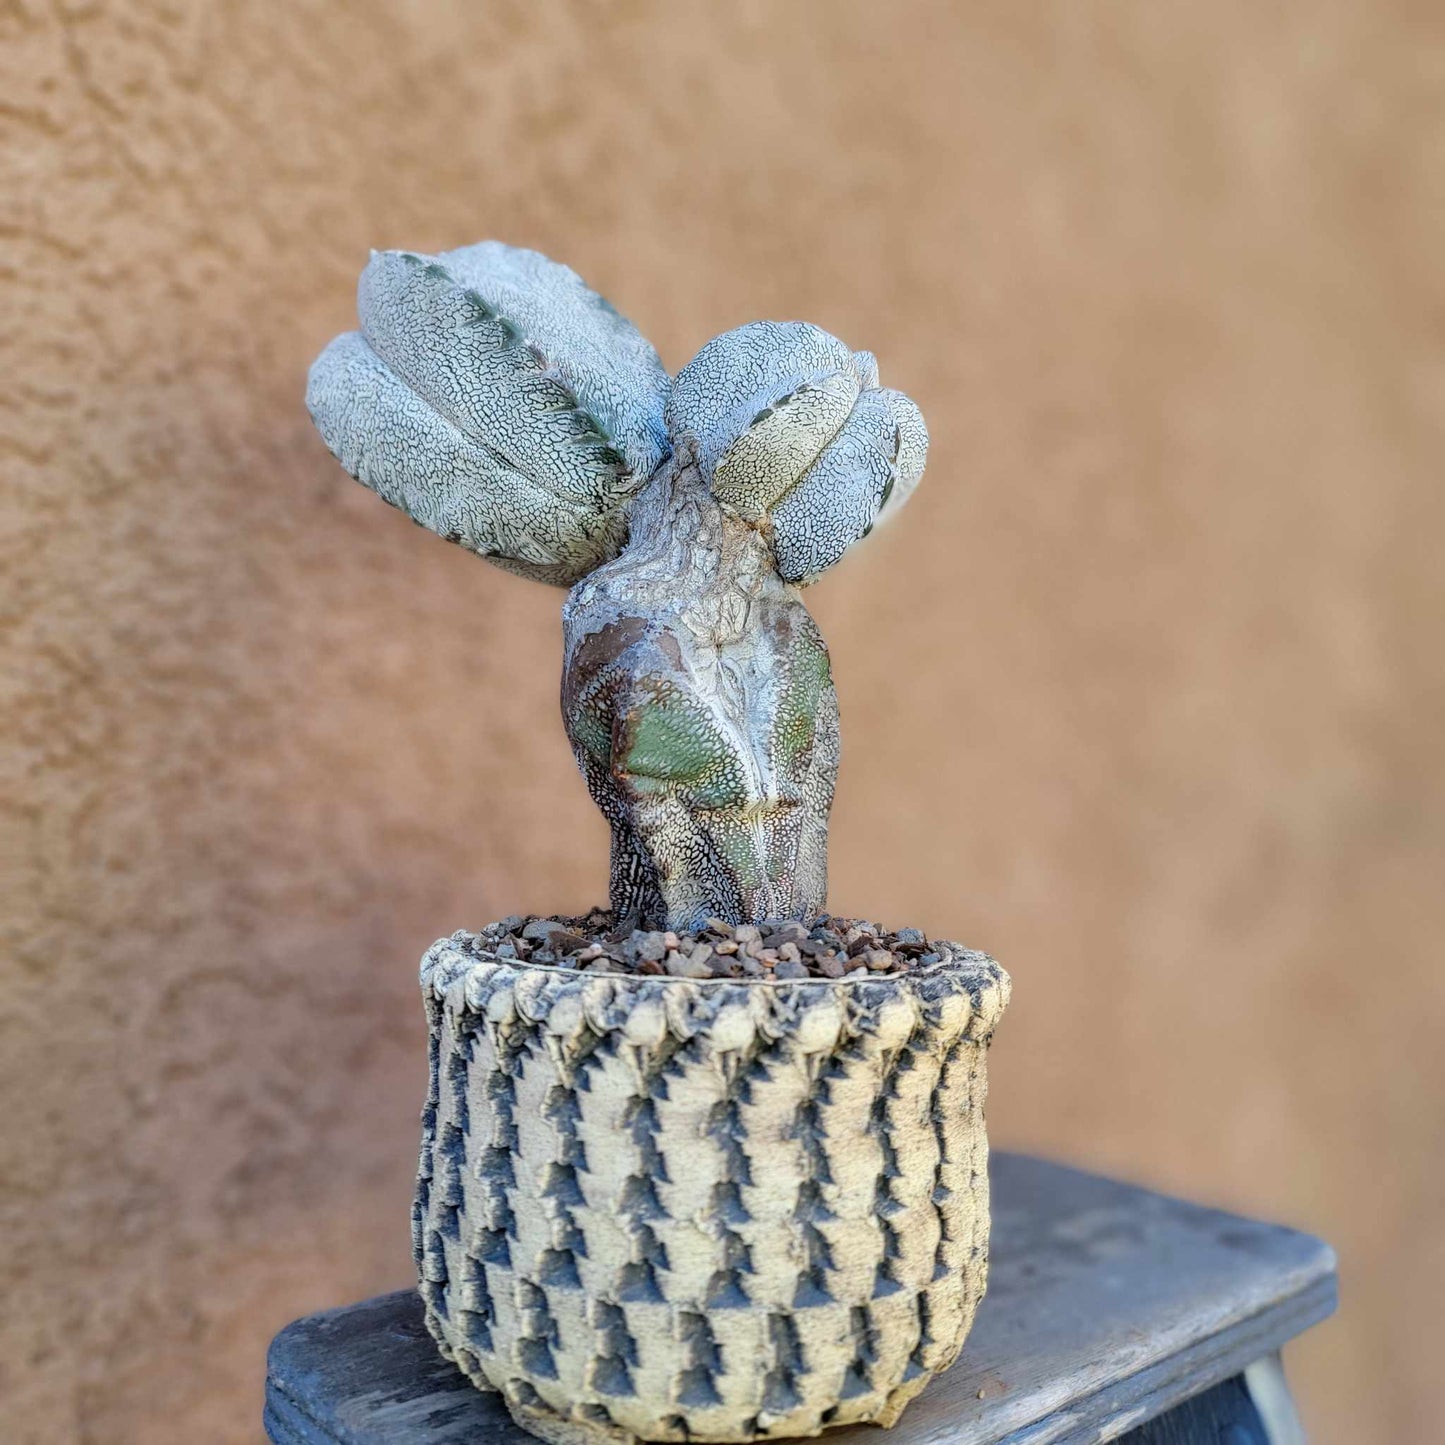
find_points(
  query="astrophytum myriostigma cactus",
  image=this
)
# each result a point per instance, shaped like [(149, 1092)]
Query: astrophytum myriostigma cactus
[(499, 402), (692, 1207)]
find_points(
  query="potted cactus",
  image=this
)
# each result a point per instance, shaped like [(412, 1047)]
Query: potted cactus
[(709, 1163)]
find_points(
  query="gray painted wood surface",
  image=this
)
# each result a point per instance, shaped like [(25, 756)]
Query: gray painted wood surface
[(1108, 1305)]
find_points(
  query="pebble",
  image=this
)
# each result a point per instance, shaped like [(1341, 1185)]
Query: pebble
[(560, 940), (790, 931), (686, 965), (651, 945), (776, 948)]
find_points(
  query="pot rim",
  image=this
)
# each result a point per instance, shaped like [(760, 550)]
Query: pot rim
[(455, 977), (959, 960)]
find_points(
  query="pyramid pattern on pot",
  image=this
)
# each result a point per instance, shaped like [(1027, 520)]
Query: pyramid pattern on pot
[(676, 1209)]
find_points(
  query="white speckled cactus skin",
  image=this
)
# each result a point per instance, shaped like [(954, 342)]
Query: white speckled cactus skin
[(500, 402), (673, 1209), (794, 431), (497, 400)]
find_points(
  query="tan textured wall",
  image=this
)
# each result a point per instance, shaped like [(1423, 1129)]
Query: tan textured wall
[(1145, 693)]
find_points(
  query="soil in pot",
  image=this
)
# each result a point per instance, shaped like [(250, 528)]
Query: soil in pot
[(824, 947)]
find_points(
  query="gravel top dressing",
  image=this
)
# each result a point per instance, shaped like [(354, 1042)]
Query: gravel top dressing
[(825, 947)]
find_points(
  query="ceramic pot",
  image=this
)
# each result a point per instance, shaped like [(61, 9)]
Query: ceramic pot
[(673, 1209)]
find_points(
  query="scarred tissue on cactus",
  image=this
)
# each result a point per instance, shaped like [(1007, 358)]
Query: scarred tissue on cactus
[(498, 401)]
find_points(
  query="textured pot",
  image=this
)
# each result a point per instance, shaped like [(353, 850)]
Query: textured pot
[(682, 1209)]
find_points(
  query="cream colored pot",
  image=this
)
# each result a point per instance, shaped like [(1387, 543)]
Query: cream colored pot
[(677, 1209)]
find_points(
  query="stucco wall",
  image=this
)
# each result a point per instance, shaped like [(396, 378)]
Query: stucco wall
[(1144, 694)]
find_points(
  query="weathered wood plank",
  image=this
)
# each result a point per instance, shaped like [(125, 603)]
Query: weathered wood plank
[(1107, 1306)]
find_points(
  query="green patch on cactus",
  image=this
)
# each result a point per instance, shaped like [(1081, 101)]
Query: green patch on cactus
[(672, 745), (797, 716), (737, 842)]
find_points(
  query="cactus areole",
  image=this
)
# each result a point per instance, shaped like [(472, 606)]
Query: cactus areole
[(501, 403)]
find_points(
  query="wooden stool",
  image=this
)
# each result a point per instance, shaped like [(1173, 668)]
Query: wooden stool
[(1112, 1313)]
